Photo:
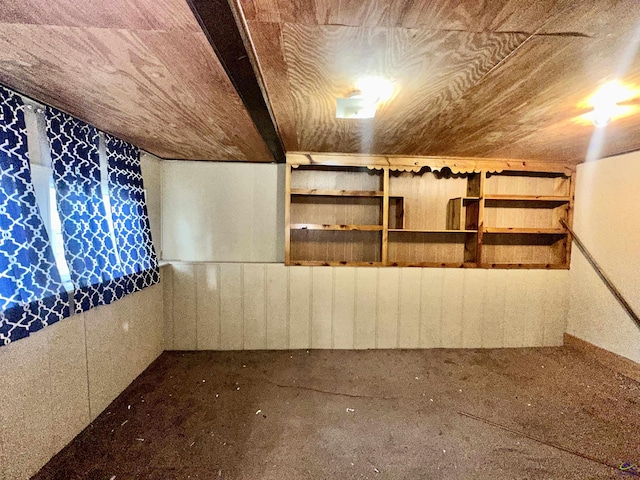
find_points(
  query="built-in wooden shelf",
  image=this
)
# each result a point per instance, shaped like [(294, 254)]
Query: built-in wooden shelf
[(321, 226), (454, 214), (530, 231), (337, 193)]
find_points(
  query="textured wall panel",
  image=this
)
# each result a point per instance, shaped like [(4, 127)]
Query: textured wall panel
[(270, 306)]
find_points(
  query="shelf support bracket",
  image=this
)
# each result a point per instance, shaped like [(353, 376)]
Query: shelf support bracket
[(603, 276)]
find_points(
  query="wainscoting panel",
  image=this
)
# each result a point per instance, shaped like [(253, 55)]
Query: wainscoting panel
[(257, 306)]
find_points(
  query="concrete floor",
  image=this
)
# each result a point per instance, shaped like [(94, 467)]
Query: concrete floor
[(547, 413)]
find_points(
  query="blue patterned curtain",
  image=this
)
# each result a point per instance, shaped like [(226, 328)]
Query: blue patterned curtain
[(32, 295), (129, 212), (89, 249)]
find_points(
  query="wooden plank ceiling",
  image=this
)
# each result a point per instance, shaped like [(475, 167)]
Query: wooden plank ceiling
[(140, 69), (500, 79)]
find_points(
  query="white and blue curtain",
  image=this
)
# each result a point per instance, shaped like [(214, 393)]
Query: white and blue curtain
[(88, 245), (32, 295), (108, 250), (129, 213), (101, 271)]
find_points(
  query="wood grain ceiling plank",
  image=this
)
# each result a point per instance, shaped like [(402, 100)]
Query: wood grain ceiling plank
[(206, 111), (467, 15), (132, 15), (534, 113), (267, 41), (455, 96), (429, 68), (116, 81)]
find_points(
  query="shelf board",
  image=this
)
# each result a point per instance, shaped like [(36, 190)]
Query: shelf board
[(320, 263), (467, 199), (408, 230), (433, 264), (538, 266), (529, 198), (532, 231), (321, 226), (337, 193)]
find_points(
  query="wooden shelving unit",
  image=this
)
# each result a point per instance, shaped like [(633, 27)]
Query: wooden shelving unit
[(427, 212)]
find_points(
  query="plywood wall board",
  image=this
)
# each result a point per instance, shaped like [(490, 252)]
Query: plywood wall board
[(322, 308), (493, 311), (388, 308), (208, 321), (344, 307), (277, 307), (255, 307), (409, 310), (231, 306), (473, 308), (143, 71), (300, 307), (348, 307), (366, 314), (184, 306)]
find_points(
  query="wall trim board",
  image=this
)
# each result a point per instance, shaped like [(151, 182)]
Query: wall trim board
[(611, 360), (269, 306)]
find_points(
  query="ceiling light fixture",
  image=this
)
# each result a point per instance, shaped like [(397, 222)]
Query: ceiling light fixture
[(605, 102), (363, 102)]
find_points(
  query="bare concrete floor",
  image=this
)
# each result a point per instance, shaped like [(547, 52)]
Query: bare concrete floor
[(547, 413)]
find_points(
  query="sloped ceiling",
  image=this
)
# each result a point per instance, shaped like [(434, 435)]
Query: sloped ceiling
[(140, 69), (499, 79)]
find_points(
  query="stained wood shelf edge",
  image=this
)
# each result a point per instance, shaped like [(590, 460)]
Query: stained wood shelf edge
[(527, 231), (337, 193), (529, 198), (320, 226), (409, 230)]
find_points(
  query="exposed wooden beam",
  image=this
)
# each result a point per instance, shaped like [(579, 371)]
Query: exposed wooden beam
[(219, 25)]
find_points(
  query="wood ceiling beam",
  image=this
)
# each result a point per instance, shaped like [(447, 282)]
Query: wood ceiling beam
[(219, 26)]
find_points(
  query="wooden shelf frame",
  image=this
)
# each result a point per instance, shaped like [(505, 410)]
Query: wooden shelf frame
[(476, 237)]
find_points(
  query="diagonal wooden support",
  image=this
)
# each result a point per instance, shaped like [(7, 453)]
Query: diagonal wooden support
[(607, 281)]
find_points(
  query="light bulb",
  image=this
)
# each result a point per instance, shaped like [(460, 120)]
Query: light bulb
[(375, 89)]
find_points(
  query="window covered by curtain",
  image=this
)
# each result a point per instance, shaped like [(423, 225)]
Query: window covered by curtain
[(89, 248), (31, 293), (129, 212)]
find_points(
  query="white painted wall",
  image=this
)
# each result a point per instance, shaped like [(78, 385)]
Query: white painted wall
[(607, 221), (235, 306), (152, 178), (56, 381), (222, 212)]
